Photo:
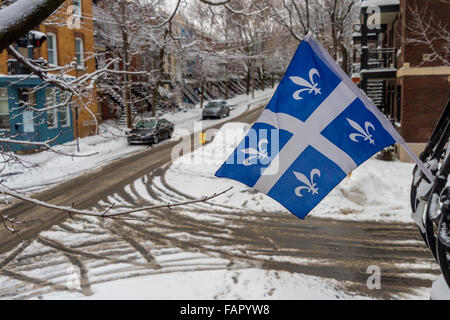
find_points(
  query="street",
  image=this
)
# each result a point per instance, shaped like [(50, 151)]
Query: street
[(70, 254)]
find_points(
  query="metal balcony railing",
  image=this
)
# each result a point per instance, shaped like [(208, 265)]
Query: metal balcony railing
[(382, 58)]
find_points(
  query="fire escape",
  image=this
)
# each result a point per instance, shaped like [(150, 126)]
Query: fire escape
[(378, 63)]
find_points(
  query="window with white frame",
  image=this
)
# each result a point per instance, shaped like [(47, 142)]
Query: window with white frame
[(51, 101), (4, 109), (64, 111), (52, 49), (77, 9), (79, 52)]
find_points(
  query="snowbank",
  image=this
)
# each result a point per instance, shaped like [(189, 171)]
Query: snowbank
[(377, 190)]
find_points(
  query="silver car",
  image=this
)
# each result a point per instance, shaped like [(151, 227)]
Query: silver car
[(216, 109)]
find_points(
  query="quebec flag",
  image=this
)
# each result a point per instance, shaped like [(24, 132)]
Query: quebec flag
[(317, 128)]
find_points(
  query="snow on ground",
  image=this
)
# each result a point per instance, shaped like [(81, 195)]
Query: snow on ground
[(47, 168), (218, 284), (440, 290), (377, 190)]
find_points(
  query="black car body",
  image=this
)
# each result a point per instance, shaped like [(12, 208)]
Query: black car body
[(151, 131), (216, 109)]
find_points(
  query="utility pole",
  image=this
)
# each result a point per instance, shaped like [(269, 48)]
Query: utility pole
[(126, 77)]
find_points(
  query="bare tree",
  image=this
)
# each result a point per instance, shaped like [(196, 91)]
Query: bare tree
[(329, 20), (429, 33), (18, 18)]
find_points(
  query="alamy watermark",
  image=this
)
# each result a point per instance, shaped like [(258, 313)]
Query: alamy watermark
[(374, 280)]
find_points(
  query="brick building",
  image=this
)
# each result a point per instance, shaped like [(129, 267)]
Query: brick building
[(70, 37), (403, 77)]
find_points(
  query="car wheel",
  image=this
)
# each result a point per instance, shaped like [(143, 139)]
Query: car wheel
[(156, 139)]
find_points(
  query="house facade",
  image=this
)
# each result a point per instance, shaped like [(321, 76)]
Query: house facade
[(403, 76), (70, 39)]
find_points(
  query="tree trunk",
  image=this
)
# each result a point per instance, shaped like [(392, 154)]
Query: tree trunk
[(202, 96), (344, 59), (253, 82), (307, 16), (247, 82), (126, 78), (261, 78), (32, 15), (158, 82), (226, 82), (155, 98)]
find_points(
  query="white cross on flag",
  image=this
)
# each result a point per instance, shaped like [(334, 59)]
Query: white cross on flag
[(317, 128)]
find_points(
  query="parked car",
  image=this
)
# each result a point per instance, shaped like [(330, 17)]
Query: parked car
[(151, 131), (216, 109)]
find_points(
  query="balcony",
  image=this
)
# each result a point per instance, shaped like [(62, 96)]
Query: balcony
[(381, 64), (372, 37), (17, 68)]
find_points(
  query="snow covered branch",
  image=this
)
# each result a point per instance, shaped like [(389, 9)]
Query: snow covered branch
[(23, 15), (425, 31), (107, 214)]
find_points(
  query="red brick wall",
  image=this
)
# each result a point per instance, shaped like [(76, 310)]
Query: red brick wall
[(439, 10), (423, 100), (423, 97)]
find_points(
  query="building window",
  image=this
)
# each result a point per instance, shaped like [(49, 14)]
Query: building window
[(27, 98), (52, 49), (51, 101), (79, 52), (4, 109), (64, 111), (24, 52), (78, 10), (64, 116)]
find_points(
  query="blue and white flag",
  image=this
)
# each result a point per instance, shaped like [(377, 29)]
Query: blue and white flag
[(317, 128)]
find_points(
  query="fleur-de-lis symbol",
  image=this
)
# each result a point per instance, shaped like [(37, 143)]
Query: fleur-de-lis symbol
[(362, 133), (310, 185), (308, 86), (261, 153)]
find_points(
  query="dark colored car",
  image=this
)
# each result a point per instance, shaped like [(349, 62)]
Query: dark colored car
[(151, 131), (216, 109)]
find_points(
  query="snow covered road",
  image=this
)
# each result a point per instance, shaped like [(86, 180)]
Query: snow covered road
[(218, 250)]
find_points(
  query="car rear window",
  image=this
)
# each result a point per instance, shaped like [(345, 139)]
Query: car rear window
[(214, 104), (146, 124)]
